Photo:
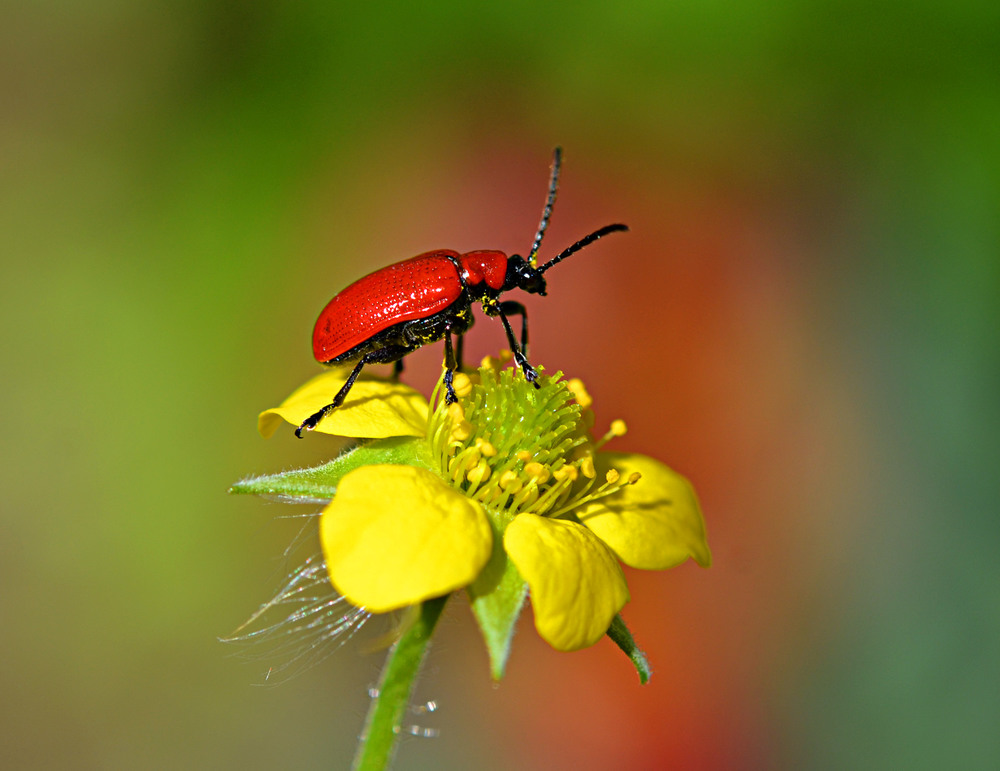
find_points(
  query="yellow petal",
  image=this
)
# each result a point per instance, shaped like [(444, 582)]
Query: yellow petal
[(397, 535), (576, 584), (374, 408), (655, 523)]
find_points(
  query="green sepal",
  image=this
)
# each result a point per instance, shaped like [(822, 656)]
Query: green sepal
[(319, 483), (497, 597), (622, 637)]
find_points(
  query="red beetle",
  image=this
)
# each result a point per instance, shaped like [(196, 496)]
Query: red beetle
[(395, 310)]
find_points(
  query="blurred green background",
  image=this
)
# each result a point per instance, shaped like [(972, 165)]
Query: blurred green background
[(804, 320)]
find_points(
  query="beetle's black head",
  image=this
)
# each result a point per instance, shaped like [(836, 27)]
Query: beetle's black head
[(523, 275)]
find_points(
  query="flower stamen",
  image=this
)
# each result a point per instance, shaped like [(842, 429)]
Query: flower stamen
[(462, 384), (618, 428), (516, 449), (579, 391), (612, 485)]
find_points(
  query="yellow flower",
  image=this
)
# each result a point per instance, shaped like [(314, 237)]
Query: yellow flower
[(505, 487)]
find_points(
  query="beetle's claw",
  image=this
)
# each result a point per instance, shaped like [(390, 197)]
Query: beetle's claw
[(522, 361), (530, 373), (311, 422)]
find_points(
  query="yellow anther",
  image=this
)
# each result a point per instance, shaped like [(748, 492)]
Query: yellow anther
[(634, 477), (505, 355), (536, 471), (579, 391), (487, 449), (490, 362), (462, 384), (587, 466), (510, 481), (612, 476), (523, 455), (567, 471), (618, 428), (461, 431), (477, 474)]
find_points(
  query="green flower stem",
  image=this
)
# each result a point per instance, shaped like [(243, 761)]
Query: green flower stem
[(385, 716)]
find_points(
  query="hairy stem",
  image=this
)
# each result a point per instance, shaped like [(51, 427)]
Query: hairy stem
[(378, 742)]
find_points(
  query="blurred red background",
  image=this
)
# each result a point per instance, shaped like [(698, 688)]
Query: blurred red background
[(803, 320)]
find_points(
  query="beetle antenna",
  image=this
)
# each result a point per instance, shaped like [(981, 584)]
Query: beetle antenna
[(585, 241), (547, 211)]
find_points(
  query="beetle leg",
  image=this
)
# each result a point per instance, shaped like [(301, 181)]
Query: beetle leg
[(313, 420), (450, 365), (515, 308), (397, 369), (459, 350), (519, 358), (384, 355)]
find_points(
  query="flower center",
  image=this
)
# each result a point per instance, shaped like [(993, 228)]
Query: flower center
[(516, 448)]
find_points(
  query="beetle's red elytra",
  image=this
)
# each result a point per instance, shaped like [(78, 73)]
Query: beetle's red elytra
[(413, 289), (382, 317)]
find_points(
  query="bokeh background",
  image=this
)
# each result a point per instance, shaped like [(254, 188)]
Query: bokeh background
[(805, 320)]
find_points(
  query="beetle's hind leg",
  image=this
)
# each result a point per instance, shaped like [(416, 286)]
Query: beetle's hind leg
[(390, 353), (313, 420)]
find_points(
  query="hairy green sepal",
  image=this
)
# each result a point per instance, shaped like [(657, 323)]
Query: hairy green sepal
[(622, 637), (497, 597), (320, 482)]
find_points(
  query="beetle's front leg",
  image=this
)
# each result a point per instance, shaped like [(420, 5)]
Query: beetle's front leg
[(514, 308), (530, 374)]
